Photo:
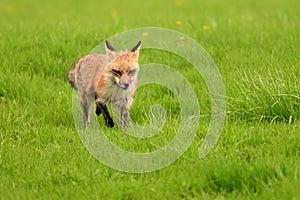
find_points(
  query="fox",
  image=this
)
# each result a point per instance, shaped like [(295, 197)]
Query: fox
[(106, 79)]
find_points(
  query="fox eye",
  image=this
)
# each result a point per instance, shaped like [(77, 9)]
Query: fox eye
[(117, 72), (131, 72)]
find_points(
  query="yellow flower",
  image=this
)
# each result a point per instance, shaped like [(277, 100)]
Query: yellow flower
[(179, 22), (145, 34), (179, 2), (205, 27), (114, 13), (8, 8)]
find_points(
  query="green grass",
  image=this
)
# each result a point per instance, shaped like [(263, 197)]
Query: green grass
[(255, 45)]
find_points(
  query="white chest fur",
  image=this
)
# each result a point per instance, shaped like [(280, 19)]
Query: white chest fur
[(121, 97)]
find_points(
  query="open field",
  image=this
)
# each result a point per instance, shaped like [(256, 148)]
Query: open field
[(256, 46)]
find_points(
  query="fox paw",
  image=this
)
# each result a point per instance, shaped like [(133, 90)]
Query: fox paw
[(110, 123)]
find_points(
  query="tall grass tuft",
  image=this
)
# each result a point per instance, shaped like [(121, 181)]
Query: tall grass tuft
[(273, 96)]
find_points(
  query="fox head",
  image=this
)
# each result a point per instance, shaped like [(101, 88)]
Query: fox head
[(123, 66)]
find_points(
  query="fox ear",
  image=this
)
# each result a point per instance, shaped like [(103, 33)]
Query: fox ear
[(135, 50), (137, 47), (110, 51)]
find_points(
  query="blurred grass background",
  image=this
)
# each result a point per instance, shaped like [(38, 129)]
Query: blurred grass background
[(255, 45)]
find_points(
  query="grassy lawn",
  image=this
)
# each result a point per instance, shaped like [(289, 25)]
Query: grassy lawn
[(256, 46)]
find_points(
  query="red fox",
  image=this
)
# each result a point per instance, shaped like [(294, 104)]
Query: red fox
[(109, 79)]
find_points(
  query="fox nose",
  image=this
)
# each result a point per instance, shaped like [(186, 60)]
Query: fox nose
[(126, 85)]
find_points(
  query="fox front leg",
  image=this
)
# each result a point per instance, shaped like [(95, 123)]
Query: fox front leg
[(124, 116), (101, 108)]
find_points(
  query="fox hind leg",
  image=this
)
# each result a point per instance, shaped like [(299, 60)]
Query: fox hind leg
[(86, 105)]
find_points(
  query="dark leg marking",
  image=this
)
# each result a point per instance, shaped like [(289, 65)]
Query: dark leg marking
[(98, 111), (103, 109)]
